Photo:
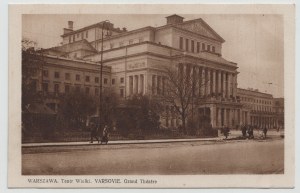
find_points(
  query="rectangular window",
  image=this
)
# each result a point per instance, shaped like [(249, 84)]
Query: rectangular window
[(141, 39), (198, 47), (96, 91), (130, 42), (70, 39), (87, 90), (82, 35), (193, 46), (121, 44), (96, 79), (122, 80), (187, 44), (73, 38), (86, 34), (203, 46), (67, 88), (181, 43), (67, 76), (105, 80), (56, 74), (213, 49), (121, 92), (45, 73), (87, 78), (56, 88), (208, 48), (78, 35), (45, 87), (113, 81), (77, 77), (111, 45)]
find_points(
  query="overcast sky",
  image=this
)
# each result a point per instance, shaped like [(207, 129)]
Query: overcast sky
[(254, 42)]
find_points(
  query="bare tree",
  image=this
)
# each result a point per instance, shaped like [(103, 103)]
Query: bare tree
[(182, 90)]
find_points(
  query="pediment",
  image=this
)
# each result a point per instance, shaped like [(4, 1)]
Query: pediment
[(202, 28)]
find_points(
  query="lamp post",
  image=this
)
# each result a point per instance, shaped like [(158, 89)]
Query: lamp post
[(101, 70)]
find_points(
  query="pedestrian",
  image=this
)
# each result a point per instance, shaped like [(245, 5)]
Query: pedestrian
[(250, 132), (94, 132), (265, 130), (105, 135), (244, 130), (226, 131)]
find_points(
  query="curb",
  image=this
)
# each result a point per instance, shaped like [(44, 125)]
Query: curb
[(117, 143)]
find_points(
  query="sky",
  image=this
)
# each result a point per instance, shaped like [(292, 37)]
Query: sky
[(254, 42)]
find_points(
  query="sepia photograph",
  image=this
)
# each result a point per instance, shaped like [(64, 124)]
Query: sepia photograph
[(141, 95)]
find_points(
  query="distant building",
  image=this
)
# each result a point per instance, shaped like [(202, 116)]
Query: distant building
[(134, 62), (260, 109)]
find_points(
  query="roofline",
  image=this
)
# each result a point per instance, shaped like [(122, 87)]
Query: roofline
[(99, 24), (83, 40), (256, 91), (125, 33), (174, 15), (194, 20)]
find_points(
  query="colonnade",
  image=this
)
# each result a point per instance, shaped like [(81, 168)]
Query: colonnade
[(158, 85), (230, 117), (264, 121), (136, 84), (210, 80)]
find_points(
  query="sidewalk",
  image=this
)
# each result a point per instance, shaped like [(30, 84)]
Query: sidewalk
[(119, 142), (233, 134)]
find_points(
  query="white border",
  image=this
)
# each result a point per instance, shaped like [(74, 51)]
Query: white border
[(4, 100)]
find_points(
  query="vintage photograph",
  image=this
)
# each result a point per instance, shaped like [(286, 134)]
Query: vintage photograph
[(169, 95)]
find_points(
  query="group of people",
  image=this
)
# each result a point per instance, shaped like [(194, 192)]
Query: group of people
[(95, 133), (247, 131)]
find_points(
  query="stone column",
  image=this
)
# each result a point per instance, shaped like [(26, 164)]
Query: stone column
[(130, 85), (224, 84), (231, 115), (213, 116), (196, 91), (141, 90), (229, 85), (219, 117), (225, 117), (214, 82), (241, 116), (203, 83), (234, 83), (208, 82), (219, 82), (154, 84), (136, 84)]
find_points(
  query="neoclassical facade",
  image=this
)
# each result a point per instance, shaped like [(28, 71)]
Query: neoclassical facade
[(136, 61), (262, 107)]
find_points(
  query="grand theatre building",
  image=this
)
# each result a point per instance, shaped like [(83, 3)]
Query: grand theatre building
[(136, 61)]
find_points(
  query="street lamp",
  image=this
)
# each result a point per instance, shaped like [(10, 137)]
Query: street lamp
[(101, 68)]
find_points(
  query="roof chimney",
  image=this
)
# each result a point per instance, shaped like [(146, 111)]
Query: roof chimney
[(70, 25), (174, 19)]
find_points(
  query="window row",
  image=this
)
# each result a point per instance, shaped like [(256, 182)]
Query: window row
[(67, 76), (72, 38), (77, 88), (256, 100), (193, 46)]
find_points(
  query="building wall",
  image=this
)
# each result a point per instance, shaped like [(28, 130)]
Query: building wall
[(197, 39), (261, 107)]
